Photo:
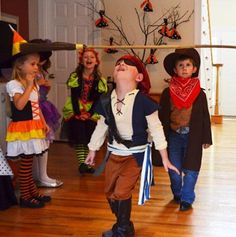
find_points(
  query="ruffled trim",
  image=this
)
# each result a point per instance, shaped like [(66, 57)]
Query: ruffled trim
[(31, 147), (73, 80), (25, 130), (25, 136), (26, 126)]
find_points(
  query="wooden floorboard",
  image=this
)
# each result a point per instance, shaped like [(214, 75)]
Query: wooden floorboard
[(79, 207)]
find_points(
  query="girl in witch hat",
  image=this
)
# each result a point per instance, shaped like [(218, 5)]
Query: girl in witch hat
[(27, 129), (51, 116)]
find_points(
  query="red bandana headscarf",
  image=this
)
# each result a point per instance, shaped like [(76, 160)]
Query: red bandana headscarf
[(145, 85), (183, 92)]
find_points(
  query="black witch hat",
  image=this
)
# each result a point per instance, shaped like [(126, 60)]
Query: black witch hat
[(12, 46)]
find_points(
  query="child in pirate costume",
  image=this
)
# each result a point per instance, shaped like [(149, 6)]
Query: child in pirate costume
[(86, 85), (186, 121), (126, 118)]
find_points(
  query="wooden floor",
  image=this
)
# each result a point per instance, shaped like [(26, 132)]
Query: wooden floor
[(80, 209)]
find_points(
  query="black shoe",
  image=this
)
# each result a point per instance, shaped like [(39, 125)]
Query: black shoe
[(176, 199), (108, 233), (43, 198), (90, 170), (184, 206), (31, 203), (84, 168)]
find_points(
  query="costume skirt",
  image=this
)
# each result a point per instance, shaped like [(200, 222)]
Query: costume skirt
[(51, 116), (26, 138), (79, 131)]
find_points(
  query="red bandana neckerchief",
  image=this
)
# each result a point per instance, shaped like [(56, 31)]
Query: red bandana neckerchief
[(184, 91)]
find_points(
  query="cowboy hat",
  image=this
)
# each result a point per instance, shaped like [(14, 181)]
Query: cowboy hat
[(170, 60)]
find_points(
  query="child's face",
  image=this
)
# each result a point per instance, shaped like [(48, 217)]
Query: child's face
[(185, 68), (30, 65), (126, 72), (89, 60)]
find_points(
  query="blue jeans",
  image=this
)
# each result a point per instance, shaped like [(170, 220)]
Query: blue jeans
[(182, 185)]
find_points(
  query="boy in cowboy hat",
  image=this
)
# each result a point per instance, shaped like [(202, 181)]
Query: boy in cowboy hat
[(127, 117), (186, 121)]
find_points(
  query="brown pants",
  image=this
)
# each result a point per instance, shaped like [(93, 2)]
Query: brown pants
[(121, 175)]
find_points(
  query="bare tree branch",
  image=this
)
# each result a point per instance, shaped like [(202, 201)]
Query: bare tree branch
[(148, 30)]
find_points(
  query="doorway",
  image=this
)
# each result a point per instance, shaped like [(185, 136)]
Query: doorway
[(224, 33)]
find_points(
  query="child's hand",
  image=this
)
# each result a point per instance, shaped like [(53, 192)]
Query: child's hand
[(205, 146), (90, 159), (43, 82), (30, 79), (47, 129), (167, 165), (47, 83), (85, 115)]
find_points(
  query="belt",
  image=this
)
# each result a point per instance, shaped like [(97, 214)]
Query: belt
[(182, 130)]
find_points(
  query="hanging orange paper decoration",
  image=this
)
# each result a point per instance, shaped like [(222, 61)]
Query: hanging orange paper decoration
[(164, 29), (102, 21), (111, 50), (151, 58), (147, 6), (173, 33)]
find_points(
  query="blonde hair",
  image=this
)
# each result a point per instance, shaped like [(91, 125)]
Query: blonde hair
[(18, 62)]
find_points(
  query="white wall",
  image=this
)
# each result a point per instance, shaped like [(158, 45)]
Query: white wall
[(126, 9), (223, 23)]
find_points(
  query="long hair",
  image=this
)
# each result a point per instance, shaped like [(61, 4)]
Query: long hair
[(16, 71), (80, 68)]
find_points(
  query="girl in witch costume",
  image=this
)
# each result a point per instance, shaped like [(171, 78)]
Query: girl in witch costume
[(185, 117), (126, 114), (27, 129), (7, 195), (86, 85), (51, 116)]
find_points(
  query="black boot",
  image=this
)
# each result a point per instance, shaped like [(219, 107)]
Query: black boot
[(125, 227), (114, 208)]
